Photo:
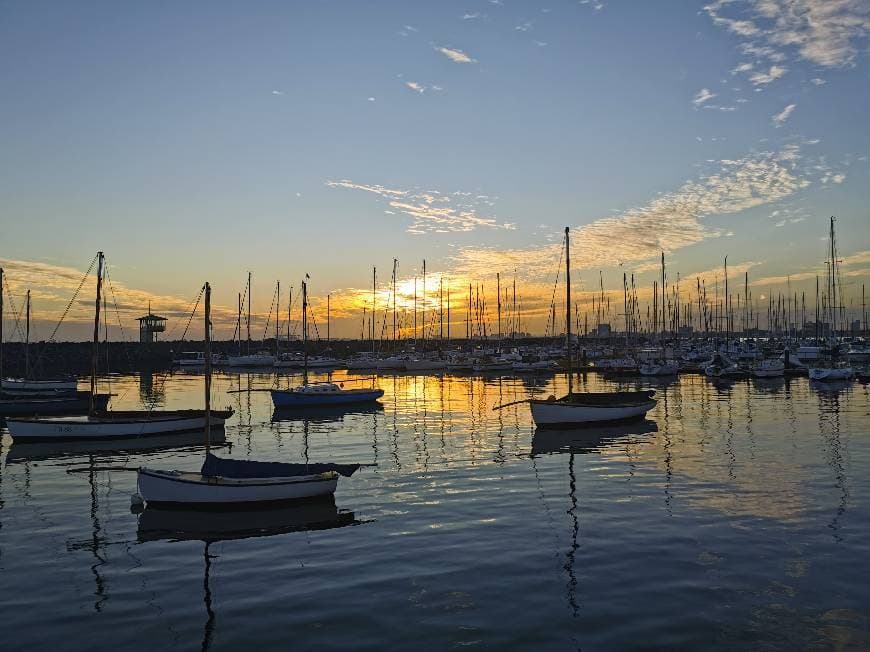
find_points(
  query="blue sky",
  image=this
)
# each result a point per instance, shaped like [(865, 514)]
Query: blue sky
[(204, 140)]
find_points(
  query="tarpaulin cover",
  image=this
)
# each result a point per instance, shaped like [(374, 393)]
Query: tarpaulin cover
[(216, 466)]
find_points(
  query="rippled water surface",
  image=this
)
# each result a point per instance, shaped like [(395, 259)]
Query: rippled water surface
[(736, 517)]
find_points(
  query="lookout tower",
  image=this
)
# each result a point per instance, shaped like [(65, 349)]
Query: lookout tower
[(149, 326)]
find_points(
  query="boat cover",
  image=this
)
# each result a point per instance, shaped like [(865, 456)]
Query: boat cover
[(217, 466), (608, 398)]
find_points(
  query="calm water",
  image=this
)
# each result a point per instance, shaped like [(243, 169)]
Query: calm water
[(736, 517)]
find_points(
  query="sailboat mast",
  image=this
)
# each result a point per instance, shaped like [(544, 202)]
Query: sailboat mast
[(568, 307), (1, 321), (423, 317), (395, 264), (498, 305), (27, 340), (448, 312), (207, 326), (248, 321), (374, 304), (277, 321), (95, 351), (664, 300), (304, 333), (327, 318), (833, 282)]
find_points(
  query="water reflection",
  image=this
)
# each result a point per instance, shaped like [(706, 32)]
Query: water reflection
[(588, 440), (221, 525), (459, 502)]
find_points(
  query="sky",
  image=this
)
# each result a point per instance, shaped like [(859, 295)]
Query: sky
[(203, 140)]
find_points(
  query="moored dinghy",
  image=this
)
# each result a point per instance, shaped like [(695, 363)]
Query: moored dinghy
[(592, 408), (223, 482), (318, 394), (586, 408), (110, 425)]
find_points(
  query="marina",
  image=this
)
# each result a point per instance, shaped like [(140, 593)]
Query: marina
[(751, 497)]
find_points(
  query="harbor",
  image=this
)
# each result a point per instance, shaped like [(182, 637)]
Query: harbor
[(732, 511), (398, 326)]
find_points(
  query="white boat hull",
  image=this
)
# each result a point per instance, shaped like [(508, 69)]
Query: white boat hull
[(93, 428), (22, 387), (838, 373), (554, 413), (251, 361), (185, 488)]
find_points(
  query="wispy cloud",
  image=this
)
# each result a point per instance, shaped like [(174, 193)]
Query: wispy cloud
[(455, 55), (433, 211), (780, 118), (761, 78), (702, 96), (414, 86), (669, 222), (823, 32)]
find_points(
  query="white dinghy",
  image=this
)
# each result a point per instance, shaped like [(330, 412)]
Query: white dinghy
[(223, 483), (591, 408), (109, 425), (585, 408)]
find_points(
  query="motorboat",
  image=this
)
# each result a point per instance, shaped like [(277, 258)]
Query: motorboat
[(769, 368), (660, 368), (260, 359), (832, 372), (25, 387), (196, 359)]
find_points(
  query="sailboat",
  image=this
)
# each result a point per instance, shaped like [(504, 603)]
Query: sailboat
[(319, 394), (587, 408), (258, 359), (107, 425), (227, 482), (832, 369), (25, 396)]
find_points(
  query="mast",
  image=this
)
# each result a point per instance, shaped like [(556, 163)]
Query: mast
[(395, 263), (289, 308), (448, 313), (468, 317), (277, 324), (440, 309), (568, 307), (833, 282), (327, 318), (423, 339), (239, 323), (95, 350), (1, 321), (248, 321), (498, 305), (304, 333), (727, 313), (27, 340), (207, 326), (374, 304), (415, 312)]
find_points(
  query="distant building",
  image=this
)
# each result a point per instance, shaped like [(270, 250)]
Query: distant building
[(149, 326), (603, 330)]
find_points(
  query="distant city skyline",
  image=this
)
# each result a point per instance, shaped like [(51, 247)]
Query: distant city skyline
[(203, 141)]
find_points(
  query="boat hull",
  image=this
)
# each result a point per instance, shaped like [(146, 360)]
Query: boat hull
[(291, 399), (110, 426), (556, 414), (251, 361), (75, 403), (22, 387), (174, 488), (824, 373)]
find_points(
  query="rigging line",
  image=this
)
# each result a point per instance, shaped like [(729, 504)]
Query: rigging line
[(14, 308), (269, 318), (75, 294), (555, 287), (117, 310), (192, 313)]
